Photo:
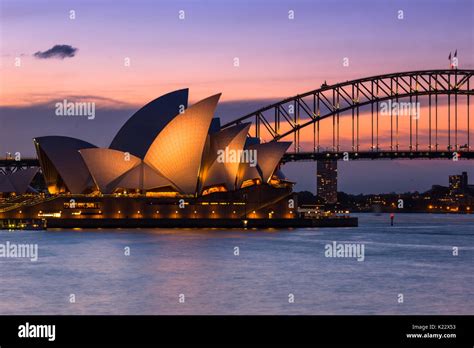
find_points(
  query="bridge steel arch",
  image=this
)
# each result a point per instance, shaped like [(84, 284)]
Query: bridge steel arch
[(310, 108)]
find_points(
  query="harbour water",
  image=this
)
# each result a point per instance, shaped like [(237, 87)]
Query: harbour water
[(197, 271)]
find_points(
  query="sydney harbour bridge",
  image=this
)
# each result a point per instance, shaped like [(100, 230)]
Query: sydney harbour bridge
[(357, 119), (350, 120)]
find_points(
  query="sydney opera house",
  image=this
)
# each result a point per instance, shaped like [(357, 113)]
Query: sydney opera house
[(168, 161)]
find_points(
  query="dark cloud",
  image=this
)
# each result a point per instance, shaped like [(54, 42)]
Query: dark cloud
[(57, 51)]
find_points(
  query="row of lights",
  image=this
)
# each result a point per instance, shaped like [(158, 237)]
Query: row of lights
[(177, 212), (447, 208), (139, 212)]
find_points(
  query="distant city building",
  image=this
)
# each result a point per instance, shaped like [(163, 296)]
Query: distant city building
[(458, 197), (458, 183), (327, 181)]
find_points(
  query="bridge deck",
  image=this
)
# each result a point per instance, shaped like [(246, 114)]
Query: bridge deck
[(24, 162), (375, 155)]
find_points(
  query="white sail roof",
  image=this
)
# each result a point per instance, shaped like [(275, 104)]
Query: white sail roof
[(59, 156), (177, 151), (224, 156)]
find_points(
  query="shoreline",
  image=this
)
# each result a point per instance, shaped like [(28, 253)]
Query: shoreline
[(24, 224)]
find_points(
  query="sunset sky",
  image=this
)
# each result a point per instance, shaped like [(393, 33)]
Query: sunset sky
[(278, 58)]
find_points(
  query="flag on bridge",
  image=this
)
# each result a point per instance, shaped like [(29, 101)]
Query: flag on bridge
[(454, 63), (451, 59)]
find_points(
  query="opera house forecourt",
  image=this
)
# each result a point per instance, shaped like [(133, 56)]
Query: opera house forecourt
[(170, 165)]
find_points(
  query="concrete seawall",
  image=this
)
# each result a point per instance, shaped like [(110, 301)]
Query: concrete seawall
[(202, 223)]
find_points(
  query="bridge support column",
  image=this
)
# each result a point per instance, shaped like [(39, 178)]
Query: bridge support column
[(326, 183)]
